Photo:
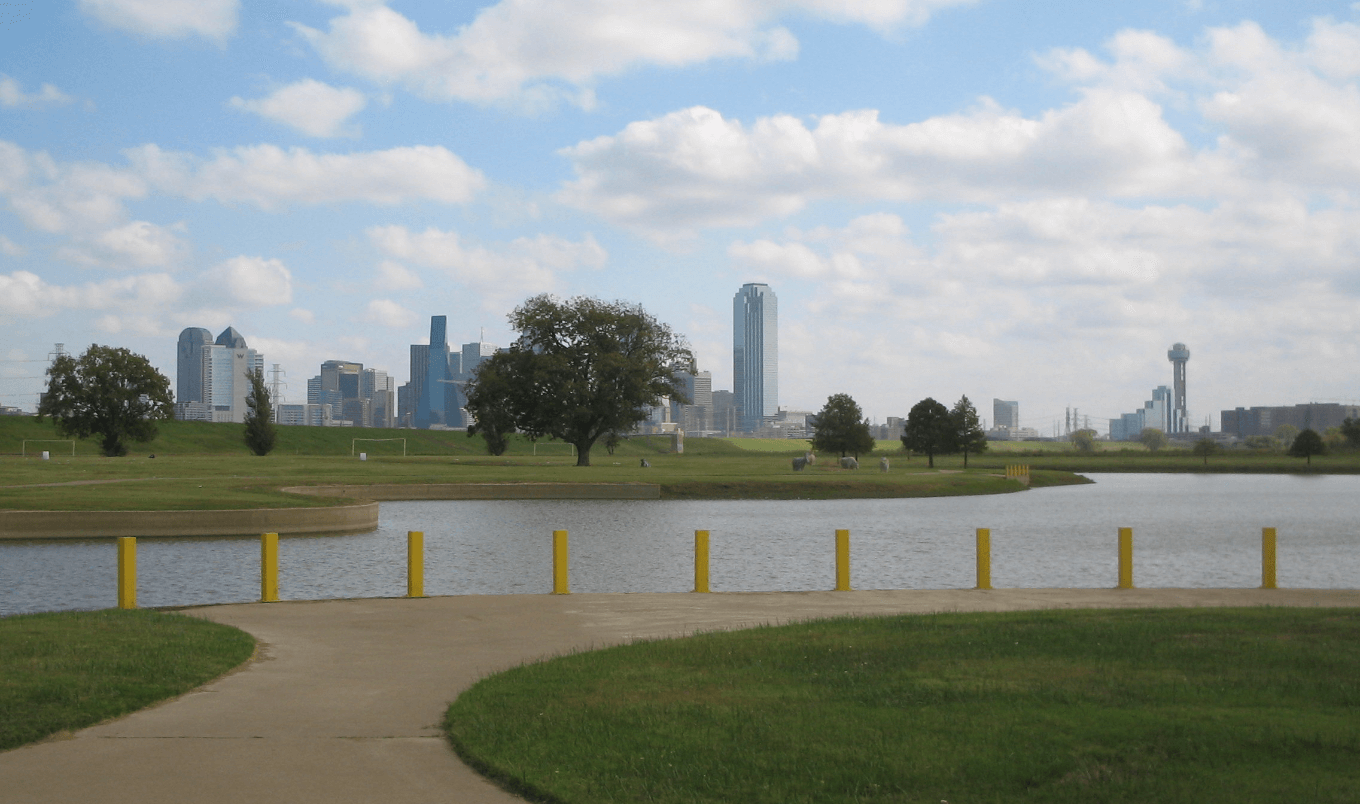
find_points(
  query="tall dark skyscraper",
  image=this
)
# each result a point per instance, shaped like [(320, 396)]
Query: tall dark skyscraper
[(189, 364), (755, 354)]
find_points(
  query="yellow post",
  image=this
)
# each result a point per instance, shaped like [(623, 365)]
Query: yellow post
[(842, 561), (984, 558), (701, 561), (127, 572), (269, 567), (1126, 558), (1268, 558), (415, 563), (560, 585)]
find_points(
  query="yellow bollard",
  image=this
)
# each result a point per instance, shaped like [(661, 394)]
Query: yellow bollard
[(701, 561), (1126, 558), (560, 585), (842, 561), (1268, 558), (984, 558), (127, 572), (269, 567), (415, 563)]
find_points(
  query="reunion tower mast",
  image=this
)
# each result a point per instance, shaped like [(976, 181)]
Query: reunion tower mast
[(1179, 355)]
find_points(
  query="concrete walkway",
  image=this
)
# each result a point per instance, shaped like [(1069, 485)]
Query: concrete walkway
[(344, 700)]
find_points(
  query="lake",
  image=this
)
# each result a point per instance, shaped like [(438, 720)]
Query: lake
[(1190, 531)]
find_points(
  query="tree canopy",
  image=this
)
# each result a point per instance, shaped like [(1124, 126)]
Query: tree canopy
[(1307, 444), (260, 433), (490, 398), (109, 392), (840, 426), (1085, 440), (580, 370), (1350, 428), (929, 429), (1153, 439), (968, 433)]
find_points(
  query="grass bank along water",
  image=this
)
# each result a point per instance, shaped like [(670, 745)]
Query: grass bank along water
[(205, 467), (1061, 706), (67, 670)]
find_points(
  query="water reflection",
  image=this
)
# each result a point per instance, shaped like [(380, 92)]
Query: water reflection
[(1191, 531)]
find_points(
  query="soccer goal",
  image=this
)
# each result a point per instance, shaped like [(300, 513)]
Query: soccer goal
[(355, 441), (570, 447), (23, 448)]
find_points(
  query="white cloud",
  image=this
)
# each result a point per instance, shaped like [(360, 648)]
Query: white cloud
[(167, 19), (9, 248), (388, 313), (522, 267), (395, 276), (299, 314), (254, 281), (26, 295), (541, 51), (695, 168), (314, 108), (137, 245), (269, 176), (12, 95)]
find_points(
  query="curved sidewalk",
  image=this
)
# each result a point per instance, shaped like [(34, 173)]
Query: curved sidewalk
[(344, 701)]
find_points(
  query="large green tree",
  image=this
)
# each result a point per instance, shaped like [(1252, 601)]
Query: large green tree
[(840, 426), (109, 392), (1153, 438), (930, 430), (1307, 444), (260, 433), (1084, 441), (581, 370), (968, 433), (1350, 428), (490, 399)]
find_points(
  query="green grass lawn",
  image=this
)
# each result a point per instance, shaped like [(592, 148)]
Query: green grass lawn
[(1184, 705), (68, 670)]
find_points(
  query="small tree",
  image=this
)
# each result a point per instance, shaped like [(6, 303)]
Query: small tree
[(840, 426), (1084, 441), (490, 396), (1350, 428), (968, 433), (1307, 444), (1204, 448), (1286, 433), (260, 432), (929, 429), (1152, 438), (109, 392), (582, 370)]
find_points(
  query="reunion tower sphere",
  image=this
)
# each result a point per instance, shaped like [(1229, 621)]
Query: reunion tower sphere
[(1177, 353)]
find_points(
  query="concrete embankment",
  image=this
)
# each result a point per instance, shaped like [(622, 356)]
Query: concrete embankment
[(358, 518)]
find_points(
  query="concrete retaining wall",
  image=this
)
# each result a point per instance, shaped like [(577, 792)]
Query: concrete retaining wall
[(85, 524), (488, 491)]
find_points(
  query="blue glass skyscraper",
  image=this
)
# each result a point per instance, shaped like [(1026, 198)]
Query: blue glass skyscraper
[(755, 355)]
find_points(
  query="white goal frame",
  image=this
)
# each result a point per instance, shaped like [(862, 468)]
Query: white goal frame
[(23, 448), (555, 444), (355, 441)]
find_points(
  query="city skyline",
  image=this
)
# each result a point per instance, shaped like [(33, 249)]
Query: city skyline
[(980, 197)]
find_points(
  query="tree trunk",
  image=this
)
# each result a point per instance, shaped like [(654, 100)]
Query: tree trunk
[(930, 460), (583, 451)]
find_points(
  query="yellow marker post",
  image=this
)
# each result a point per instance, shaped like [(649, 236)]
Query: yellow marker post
[(842, 561), (127, 572), (415, 563), (701, 561), (560, 585), (269, 567), (1268, 558), (984, 558), (1126, 558)]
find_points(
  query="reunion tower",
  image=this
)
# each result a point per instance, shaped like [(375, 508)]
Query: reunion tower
[(1179, 355)]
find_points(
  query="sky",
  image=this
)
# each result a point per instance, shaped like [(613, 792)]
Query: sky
[(997, 198)]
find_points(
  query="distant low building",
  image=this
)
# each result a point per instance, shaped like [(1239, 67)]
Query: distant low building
[(1264, 421), (1012, 434)]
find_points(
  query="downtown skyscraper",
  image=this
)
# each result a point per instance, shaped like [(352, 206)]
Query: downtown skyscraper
[(755, 355)]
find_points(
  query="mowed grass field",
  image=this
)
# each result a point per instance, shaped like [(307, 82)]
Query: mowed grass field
[(204, 466), (1184, 705)]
